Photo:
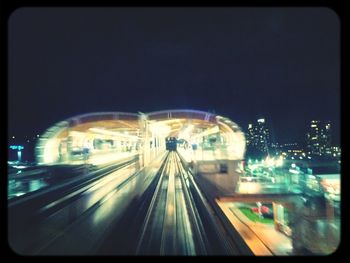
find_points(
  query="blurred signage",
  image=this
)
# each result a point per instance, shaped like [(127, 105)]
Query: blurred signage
[(16, 147)]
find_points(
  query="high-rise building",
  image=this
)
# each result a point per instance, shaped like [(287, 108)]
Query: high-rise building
[(258, 137), (318, 138)]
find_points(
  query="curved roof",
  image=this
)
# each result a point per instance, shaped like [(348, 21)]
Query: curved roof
[(98, 116), (181, 113), (175, 121)]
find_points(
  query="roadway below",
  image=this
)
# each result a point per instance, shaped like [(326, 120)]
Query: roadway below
[(262, 239)]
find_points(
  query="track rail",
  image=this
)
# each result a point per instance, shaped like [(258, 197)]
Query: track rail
[(35, 220), (164, 210), (172, 224)]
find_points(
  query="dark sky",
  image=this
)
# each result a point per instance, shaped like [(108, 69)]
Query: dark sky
[(245, 63)]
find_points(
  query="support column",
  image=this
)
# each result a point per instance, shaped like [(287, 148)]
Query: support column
[(329, 209), (296, 225), (145, 147), (278, 216), (330, 212)]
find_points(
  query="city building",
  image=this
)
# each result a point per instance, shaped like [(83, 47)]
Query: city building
[(293, 151), (335, 151), (258, 138), (318, 138)]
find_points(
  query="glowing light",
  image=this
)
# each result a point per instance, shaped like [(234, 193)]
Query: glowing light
[(187, 132), (160, 129), (293, 171), (249, 187), (112, 133), (207, 132), (19, 167), (108, 158), (270, 161), (51, 151), (261, 120), (16, 147), (279, 161)]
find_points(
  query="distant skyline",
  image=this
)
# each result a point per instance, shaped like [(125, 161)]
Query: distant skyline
[(281, 64), (299, 138)]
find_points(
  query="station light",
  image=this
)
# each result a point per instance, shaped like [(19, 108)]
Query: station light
[(112, 133)]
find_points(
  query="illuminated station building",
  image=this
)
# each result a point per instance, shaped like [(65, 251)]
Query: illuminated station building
[(214, 147), (210, 143)]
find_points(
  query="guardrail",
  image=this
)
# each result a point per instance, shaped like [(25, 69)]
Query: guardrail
[(59, 205)]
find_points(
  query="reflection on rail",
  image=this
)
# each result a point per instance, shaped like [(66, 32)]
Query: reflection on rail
[(122, 210), (167, 229), (171, 218)]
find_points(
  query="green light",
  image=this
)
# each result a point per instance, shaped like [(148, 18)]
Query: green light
[(16, 147)]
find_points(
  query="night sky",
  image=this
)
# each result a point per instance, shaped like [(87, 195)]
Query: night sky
[(243, 63)]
